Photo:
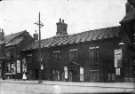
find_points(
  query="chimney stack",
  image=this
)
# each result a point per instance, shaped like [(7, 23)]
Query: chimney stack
[(1, 34), (61, 28), (35, 36)]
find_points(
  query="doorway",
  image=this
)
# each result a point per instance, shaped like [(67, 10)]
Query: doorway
[(93, 75), (74, 72)]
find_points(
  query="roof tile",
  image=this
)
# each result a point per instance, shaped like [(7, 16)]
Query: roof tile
[(91, 35)]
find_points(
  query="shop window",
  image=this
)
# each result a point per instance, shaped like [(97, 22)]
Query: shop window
[(94, 55), (9, 67), (81, 74), (24, 65), (73, 55), (111, 76), (55, 75), (66, 72), (13, 68), (18, 66), (117, 71)]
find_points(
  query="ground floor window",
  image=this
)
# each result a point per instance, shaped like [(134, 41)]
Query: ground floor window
[(93, 75), (111, 76), (56, 75), (18, 64), (70, 76), (24, 65), (81, 74), (117, 61), (13, 68), (117, 70)]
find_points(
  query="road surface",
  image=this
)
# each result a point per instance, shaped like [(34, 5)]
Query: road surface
[(49, 87)]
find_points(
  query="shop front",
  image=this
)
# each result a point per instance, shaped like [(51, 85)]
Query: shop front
[(11, 69)]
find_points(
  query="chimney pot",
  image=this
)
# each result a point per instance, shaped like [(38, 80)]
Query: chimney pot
[(35, 35), (61, 28), (63, 21), (1, 34), (60, 20)]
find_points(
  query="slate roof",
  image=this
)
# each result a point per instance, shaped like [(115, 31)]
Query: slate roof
[(13, 39), (87, 36)]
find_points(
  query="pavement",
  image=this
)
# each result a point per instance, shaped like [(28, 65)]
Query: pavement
[(58, 87)]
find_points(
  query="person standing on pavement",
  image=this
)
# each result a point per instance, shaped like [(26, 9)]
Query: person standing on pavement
[(24, 76)]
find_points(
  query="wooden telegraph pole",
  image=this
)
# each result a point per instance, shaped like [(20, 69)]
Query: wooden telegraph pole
[(39, 24)]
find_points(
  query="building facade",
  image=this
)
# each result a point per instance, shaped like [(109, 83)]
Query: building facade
[(106, 54), (95, 55), (11, 46), (100, 55)]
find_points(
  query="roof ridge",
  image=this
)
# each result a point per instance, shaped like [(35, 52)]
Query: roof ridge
[(91, 35), (99, 29), (13, 36), (93, 30), (15, 33)]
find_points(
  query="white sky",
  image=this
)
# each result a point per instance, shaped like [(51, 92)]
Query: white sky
[(80, 15)]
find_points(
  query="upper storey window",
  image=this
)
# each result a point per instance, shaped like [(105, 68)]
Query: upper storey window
[(73, 55), (56, 55), (94, 55)]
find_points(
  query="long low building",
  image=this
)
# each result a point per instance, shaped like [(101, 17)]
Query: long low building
[(100, 55), (106, 54), (95, 55)]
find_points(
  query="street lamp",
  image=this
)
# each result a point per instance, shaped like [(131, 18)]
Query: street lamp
[(40, 55)]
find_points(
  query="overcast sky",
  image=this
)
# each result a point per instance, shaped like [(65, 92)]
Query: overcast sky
[(80, 15)]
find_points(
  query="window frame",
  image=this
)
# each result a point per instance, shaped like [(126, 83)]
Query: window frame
[(73, 54), (94, 55), (91, 72), (56, 54)]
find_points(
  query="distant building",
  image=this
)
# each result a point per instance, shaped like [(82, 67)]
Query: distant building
[(11, 46)]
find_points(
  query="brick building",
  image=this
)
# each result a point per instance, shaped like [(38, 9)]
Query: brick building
[(11, 46), (106, 54), (95, 55)]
